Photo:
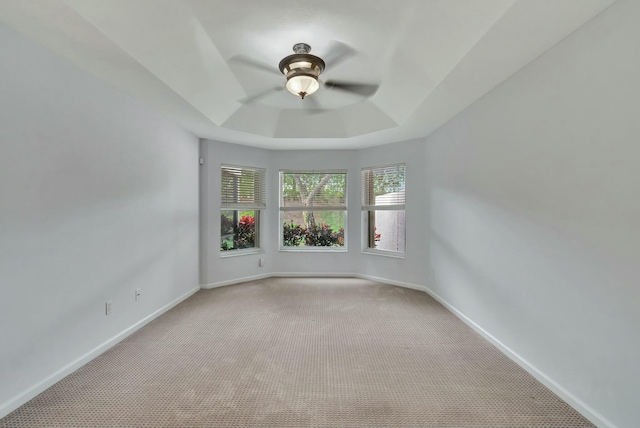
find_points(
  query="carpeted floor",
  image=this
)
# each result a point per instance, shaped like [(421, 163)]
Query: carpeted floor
[(301, 352)]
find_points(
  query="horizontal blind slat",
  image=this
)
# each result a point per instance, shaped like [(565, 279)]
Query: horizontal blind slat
[(322, 208), (313, 190), (243, 187), (383, 186), (383, 207)]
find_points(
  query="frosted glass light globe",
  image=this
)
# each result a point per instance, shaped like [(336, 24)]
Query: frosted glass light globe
[(302, 85)]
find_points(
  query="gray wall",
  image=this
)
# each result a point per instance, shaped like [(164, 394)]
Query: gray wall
[(412, 270), (98, 197), (219, 269), (409, 271), (213, 267), (522, 215), (534, 213)]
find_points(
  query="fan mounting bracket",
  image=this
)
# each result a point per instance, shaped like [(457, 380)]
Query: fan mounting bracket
[(301, 48)]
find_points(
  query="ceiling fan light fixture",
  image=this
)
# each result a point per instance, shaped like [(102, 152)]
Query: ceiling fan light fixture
[(302, 85), (302, 70)]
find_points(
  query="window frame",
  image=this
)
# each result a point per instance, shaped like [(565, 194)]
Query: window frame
[(232, 203), (338, 208), (369, 207)]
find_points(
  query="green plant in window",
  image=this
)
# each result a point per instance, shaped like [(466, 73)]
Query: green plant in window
[(295, 235), (237, 236)]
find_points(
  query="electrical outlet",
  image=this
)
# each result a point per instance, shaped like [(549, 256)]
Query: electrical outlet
[(138, 294), (107, 307), (260, 262)]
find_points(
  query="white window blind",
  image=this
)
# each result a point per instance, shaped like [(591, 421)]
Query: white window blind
[(243, 187), (383, 188), (321, 191)]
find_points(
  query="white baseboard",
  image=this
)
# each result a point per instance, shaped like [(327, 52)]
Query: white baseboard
[(392, 282), (235, 281), (313, 274), (579, 405), (20, 399), (278, 274), (573, 401)]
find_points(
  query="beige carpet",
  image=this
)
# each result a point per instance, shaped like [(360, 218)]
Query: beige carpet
[(301, 352)]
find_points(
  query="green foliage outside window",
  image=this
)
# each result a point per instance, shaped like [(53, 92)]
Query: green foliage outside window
[(237, 229), (313, 208)]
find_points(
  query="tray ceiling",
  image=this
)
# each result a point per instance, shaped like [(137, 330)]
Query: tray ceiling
[(431, 58)]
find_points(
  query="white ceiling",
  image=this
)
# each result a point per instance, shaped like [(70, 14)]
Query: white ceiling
[(431, 58)]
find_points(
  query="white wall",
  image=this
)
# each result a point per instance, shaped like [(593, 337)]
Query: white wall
[(319, 262), (98, 197), (523, 216), (412, 269), (215, 269), (533, 194)]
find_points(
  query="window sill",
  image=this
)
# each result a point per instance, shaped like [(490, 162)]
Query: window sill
[(313, 249), (384, 253), (244, 252)]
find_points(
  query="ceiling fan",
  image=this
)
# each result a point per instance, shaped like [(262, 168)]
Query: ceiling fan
[(302, 71)]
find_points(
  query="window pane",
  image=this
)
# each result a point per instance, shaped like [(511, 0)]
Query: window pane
[(383, 186), (313, 189), (386, 230), (238, 229), (313, 228)]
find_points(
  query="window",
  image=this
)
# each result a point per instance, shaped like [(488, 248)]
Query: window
[(243, 196), (313, 209), (383, 202)]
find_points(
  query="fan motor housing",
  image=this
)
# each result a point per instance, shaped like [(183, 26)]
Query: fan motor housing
[(302, 63), (302, 67)]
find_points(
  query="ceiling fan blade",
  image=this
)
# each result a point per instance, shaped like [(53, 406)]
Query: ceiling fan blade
[(338, 53), (256, 65), (361, 89), (262, 94)]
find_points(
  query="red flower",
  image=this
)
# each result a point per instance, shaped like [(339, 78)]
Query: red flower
[(376, 236), (247, 220)]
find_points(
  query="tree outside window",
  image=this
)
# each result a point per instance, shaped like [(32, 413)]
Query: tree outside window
[(313, 209)]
